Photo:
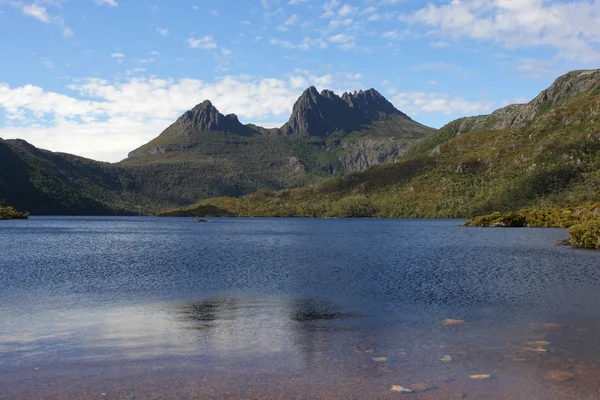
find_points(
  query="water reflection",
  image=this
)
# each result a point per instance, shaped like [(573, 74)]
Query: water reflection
[(308, 339)]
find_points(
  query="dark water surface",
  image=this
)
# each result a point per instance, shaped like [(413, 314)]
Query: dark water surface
[(294, 308)]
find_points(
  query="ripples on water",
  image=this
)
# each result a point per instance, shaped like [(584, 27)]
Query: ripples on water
[(251, 308)]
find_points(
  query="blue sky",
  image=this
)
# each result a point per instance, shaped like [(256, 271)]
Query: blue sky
[(99, 78)]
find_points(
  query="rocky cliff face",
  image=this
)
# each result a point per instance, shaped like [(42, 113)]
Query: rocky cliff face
[(325, 113), (362, 155), (522, 115), (206, 117)]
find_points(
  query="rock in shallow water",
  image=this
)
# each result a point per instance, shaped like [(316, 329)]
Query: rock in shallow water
[(480, 377), (401, 389), (451, 321)]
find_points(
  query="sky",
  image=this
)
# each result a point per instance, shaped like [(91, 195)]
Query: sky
[(99, 78)]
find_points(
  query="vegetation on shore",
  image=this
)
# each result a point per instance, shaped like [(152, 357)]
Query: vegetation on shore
[(11, 213), (540, 217), (583, 222)]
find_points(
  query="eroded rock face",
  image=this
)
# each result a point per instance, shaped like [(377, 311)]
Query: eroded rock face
[(368, 152), (322, 114), (206, 117), (521, 115)]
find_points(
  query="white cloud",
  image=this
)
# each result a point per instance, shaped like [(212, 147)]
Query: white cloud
[(116, 118), (346, 10), (206, 43), (162, 32), (416, 103), (341, 38), (291, 21), (118, 56), (537, 69), (571, 28), (41, 14), (110, 3), (37, 12), (305, 45)]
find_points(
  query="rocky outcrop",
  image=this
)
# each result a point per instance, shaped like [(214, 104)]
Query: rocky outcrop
[(205, 117), (522, 115), (361, 155), (325, 113)]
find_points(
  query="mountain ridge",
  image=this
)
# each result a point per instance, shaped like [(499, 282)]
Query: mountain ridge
[(314, 114)]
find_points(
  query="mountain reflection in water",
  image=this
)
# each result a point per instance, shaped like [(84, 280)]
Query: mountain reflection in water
[(163, 308)]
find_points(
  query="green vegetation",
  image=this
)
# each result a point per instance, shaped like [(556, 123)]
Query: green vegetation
[(586, 235), (583, 222), (540, 218), (11, 213), (498, 219)]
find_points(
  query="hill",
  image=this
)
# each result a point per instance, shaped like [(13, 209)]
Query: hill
[(206, 154), (545, 153)]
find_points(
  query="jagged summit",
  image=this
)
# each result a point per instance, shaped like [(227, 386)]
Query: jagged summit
[(321, 114), (314, 114), (206, 117)]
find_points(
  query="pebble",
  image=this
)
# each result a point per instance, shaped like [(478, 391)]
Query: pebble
[(453, 321), (401, 389), (539, 343), (480, 377)]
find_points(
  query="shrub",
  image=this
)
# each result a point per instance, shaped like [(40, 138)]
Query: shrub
[(11, 213), (502, 220), (586, 235)]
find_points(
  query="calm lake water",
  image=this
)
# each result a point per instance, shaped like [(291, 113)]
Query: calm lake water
[(294, 308)]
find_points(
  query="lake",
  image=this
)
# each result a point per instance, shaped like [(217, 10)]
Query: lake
[(294, 308)]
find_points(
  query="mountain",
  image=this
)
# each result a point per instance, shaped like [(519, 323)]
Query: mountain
[(545, 153), (206, 154), (323, 114), (318, 119)]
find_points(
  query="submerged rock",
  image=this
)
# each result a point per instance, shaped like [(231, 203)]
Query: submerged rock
[(453, 321), (480, 377), (401, 389)]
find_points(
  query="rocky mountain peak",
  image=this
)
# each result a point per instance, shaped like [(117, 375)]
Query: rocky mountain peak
[(206, 117), (568, 85), (322, 114)]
